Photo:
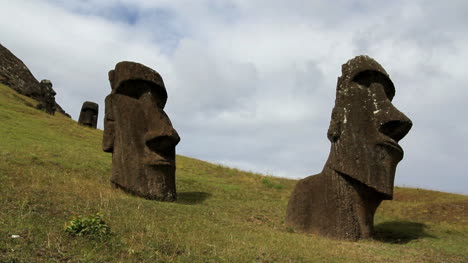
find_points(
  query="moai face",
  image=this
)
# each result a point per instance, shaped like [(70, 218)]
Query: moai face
[(139, 133), (89, 114), (366, 127), (48, 96)]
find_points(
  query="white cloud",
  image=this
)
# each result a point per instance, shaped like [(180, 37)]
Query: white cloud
[(252, 83)]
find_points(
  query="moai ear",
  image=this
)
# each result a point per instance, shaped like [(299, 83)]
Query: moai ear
[(111, 78), (336, 123), (109, 127)]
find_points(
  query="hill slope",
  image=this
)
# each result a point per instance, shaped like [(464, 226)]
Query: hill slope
[(15, 74), (52, 169)]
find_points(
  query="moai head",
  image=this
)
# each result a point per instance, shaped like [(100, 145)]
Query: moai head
[(89, 114), (365, 127), (47, 102), (139, 133)]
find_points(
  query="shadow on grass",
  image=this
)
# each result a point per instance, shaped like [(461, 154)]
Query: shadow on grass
[(400, 232), (192, 198)]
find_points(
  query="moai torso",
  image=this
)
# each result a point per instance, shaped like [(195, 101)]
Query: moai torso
[(365, 128), (139, 133)]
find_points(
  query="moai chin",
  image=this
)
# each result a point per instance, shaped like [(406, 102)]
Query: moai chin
[(139, 134), (364, 131), (89, 114)]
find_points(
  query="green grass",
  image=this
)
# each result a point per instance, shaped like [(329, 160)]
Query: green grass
[(53, 170)]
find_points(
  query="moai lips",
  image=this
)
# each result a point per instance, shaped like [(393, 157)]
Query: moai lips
[(365, 128), (139, 133)]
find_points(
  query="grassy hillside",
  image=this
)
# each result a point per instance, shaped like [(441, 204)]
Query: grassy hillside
[(53, 170)]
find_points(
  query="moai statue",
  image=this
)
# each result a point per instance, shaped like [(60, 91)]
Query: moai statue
[(139, 134), (89, 114), (47, 97), (364, 131)]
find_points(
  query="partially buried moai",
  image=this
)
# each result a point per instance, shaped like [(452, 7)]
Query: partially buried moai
[(139, 134), (89, 114), (47, 97), (364, 131)]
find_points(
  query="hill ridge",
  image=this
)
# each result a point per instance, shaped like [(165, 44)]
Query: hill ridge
[(16, 75)]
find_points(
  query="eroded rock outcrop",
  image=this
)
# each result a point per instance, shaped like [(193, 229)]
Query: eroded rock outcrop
[(139, 134), (15, 74), (364, 131)]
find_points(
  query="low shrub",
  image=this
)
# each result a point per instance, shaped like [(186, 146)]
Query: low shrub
[(271, 184), (92, 226)]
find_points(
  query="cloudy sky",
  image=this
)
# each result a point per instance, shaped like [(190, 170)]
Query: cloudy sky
[(251, 83)]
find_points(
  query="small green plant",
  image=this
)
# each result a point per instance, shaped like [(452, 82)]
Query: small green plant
[(270, 184), (92, 226)]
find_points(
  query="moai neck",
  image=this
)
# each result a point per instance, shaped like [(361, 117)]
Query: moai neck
[(355, 205)]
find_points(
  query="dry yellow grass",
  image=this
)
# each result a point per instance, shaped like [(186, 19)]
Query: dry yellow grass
[(52, 169)]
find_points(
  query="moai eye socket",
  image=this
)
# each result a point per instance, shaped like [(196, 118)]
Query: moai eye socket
[(137, 88), (133, 88), (367, 77)]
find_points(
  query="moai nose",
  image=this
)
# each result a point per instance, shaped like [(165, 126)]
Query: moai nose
[(396, 127), (161, 142)]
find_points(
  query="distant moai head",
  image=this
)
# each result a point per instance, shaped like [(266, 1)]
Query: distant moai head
[(47, 86), (139, 133), (47, 101), (89, 114), (365, 126)]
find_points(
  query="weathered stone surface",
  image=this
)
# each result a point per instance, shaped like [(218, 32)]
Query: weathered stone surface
[(364, 131), (46, 97), (89, 114), (139, 133), (15, 74)]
